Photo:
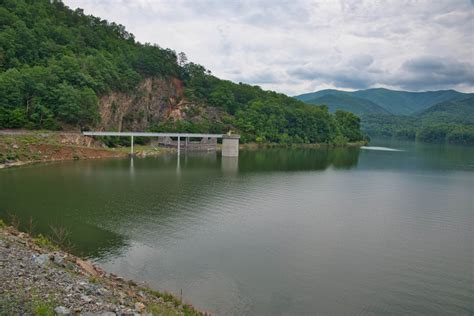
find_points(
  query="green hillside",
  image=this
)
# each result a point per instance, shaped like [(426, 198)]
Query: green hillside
[(433, 116), (458, 111), (321, 93), (451, 121), (63, 69), (348, 103), (406, 103), (395, 102)]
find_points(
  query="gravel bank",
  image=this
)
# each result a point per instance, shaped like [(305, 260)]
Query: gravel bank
[(37, 278)]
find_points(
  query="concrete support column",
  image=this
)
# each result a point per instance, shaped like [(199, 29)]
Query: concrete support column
[(131, 146), (230, 145), (179, 145)]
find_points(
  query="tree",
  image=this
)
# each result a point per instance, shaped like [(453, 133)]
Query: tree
[(349, 125), (182, 59)]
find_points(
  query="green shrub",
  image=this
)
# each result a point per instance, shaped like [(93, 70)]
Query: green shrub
[(44, 242), (42, 308)]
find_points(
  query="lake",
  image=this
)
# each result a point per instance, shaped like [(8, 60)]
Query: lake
[(275, 232)]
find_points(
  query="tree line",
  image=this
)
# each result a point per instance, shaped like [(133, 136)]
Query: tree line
[(55, 63), (431, 129)]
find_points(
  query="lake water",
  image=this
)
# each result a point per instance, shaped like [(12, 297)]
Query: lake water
[(275, 232)]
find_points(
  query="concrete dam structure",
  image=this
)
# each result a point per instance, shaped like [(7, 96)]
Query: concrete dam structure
[(207, 142)]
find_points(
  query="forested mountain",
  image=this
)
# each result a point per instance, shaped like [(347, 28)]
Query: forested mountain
[(348, 103), (455, 111), (451, 121), (395, 102), (63, 69), (445, 115)]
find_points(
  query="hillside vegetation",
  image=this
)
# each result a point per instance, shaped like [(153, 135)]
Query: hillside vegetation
[(433, 116), (62, 69), (451, 121), (348, 103), (393, 102)]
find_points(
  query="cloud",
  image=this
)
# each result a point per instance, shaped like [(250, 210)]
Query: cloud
[(432, 72), (345, 77), (303, 45)]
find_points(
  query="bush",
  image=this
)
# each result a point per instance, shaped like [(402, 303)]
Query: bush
[(44, 242)]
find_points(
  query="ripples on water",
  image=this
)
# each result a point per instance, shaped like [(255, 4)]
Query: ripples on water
[(294, 232)]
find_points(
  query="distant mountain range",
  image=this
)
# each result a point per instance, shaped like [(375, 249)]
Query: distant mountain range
[(433, 116), (453, 111), (382, 101)]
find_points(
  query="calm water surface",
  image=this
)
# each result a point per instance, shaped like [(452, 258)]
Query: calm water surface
[(275, 232)]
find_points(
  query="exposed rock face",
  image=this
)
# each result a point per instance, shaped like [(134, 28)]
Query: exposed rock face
[(155, 100)]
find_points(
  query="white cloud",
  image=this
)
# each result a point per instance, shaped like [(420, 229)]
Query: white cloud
[(300, 46)]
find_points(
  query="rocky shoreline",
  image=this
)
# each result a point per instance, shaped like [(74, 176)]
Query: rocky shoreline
[(37, 278), (18, 148)]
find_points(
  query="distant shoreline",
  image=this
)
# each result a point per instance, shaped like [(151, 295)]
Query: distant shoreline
[(22, 147)]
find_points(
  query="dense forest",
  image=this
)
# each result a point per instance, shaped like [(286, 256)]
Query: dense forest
[(56, 64), (384, 101), (450, 121), (433, 116)]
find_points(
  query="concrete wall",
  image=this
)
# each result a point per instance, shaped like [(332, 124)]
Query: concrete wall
[(230, 145), (205, 144)]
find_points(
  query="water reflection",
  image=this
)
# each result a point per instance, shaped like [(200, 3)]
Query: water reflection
[(178, 165), (230, 165), (88, 240), (93, 198), (132, 167), (295, 231), (298, 159)]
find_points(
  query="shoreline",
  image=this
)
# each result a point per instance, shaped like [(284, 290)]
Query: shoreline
[(19, 148), (254, 146), (36, 277)]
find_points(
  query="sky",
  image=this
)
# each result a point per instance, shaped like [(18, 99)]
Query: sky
[(300, 46)]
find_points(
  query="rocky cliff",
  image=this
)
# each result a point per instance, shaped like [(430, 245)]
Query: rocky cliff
[(154, 100)]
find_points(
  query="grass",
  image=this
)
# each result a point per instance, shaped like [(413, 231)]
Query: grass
[(41, 308), (45, 242), (57, 240), (93, 280), (170, 298), (17, 147), (161, 310)]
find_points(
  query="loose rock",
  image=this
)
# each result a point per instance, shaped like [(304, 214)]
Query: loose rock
[(41, 260), (61, 310), (27, 276)]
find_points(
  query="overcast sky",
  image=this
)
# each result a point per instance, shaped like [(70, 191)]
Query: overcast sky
[(299, 46)]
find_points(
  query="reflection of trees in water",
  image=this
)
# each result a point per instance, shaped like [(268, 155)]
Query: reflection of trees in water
[(436, 156), (97, 200), (87, 240), (94, 242), (418, 156), (298, 159), (344, 158)]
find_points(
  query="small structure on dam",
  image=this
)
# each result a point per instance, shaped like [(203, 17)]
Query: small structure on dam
[(207, 142), (230, 145)]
